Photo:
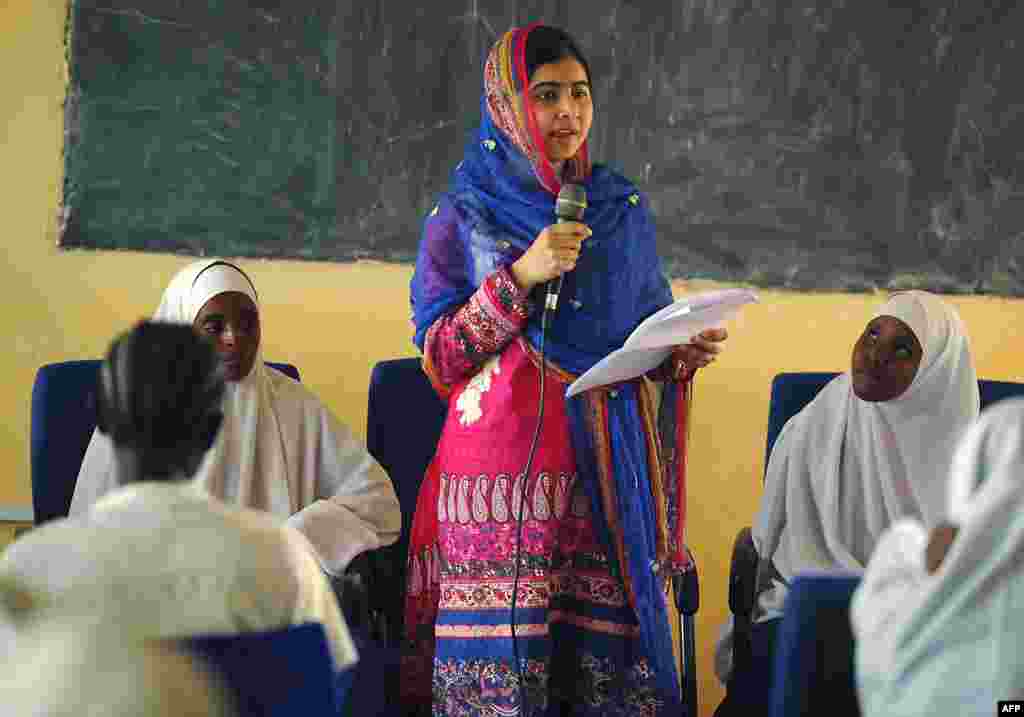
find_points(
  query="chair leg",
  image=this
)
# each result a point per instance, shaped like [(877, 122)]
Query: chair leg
[(687, 594), (686, 631)]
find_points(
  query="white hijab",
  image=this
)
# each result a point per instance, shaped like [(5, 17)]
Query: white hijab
[(949, 642), (279, 448), (843, 470)]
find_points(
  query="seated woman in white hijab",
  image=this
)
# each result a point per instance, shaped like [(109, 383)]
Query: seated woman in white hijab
[(280, 449), (937, 617), (872, 447), (159, 557)]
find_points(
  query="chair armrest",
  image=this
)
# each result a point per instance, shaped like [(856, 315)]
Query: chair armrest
[(386, 592), (355, 591), (743, 576), (742, 598)]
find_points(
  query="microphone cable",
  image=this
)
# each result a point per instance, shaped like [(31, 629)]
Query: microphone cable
[(548, 312), (569, 206)]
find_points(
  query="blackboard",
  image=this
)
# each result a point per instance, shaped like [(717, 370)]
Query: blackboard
[(808, 144)]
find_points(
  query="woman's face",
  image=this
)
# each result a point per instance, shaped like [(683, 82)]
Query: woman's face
[(885, 360), (232, 322), (560, 95)]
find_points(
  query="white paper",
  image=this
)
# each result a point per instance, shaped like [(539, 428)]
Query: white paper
[(652, 341), (621, 365)]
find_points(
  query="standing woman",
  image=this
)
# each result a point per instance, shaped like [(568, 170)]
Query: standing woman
[(602, 506)]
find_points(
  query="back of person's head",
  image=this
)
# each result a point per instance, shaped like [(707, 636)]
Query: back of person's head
[(159, 399)]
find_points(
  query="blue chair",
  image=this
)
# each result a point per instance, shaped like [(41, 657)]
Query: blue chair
[(276, 673), (373, 690), (403, 425), (63, 419), (792, 391), (814, 661)]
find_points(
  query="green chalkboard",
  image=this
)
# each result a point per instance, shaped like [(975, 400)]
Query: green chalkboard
[(202, 128), (807, 144)]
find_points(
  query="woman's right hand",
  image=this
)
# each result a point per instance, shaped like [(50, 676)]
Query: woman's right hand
[(553, 252), (939, 542)]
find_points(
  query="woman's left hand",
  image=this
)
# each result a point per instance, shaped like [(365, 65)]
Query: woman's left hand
[(702, 349)]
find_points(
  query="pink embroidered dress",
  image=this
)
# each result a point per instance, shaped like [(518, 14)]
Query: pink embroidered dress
[(593, 574)]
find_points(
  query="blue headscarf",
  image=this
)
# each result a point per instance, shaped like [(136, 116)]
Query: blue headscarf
[(494, 209)]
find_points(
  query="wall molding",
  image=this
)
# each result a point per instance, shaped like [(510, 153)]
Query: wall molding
[(16, 514)]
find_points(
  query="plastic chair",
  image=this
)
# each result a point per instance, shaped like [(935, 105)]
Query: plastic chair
[(814, 660), (403, 425), (63, 419), (276, 673)]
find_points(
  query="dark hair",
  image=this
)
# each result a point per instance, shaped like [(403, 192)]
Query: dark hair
[(547, 44), (159, 393)]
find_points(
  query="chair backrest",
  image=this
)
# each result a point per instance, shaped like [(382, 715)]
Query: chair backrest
[(814, 659), (63, 419), (276, 673), (792, 391), (404, 421), (371, 687)]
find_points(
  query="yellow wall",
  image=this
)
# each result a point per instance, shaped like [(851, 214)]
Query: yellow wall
[(335, 321)]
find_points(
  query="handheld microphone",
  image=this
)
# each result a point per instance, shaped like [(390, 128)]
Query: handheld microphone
[(569, 207)]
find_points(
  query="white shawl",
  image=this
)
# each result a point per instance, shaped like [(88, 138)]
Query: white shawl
[(279, 448), (843, 470), (65, 669), (949, 643)]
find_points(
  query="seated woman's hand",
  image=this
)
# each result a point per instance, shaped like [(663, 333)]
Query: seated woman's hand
[(701, 350), (939, 542)]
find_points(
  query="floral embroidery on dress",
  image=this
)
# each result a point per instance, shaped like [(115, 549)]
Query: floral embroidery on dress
[(468, 404), (499, 506), (486, 687), (480, 494), (481, 686), (479, 330), (547, 497), (513, 300)]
